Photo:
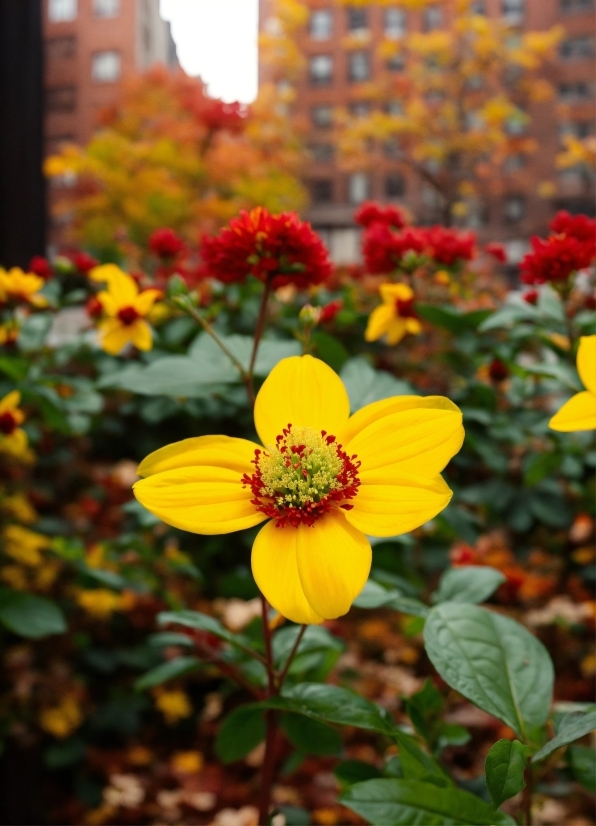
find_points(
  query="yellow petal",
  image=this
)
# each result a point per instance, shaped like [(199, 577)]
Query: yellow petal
[(113, 335), (579, 413), (108, 303), (413, 326), (275, 570), (105, 273), (10, 401), (390, 293), (586, 362), (302, 391), (379, 322), (208, 500), (334, 561), (392, 505), (146, 300), (411, 434), (397, 330), (123, 289), (211, 451), (140, 335)]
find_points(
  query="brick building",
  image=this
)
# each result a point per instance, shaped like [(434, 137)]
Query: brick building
[(336, 75), (91, 47)]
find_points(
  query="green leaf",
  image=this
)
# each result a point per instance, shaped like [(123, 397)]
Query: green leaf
[(205, 350), (30, 616), (315, 641), (407, 802), (311, 736), (365, 384), (493, 661), (425, 709), (240, 733), (355, 771), (374, 595), (169, 670), (177, 376), (582, 760), (564, 373), (573, 726), (509, 315), (329, 349), (470, 583), (416, 764), (332, 704), (451, 319), (170, 638), (202, 622), (16, 368), (504, 766)]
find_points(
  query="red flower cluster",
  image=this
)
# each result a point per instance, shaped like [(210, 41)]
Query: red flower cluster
[(447, 246), (165, 243), (370, 213), (497, 251), (84, 262), (388, 239), (40, 266), (278, 249), (572, 248)]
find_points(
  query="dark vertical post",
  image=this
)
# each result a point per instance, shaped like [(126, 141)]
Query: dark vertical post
[(22, 188)]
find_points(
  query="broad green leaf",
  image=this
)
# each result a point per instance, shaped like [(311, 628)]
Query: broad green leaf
[(170, 638), (169, 670), (504, 767), (16, 368), (416, 764), (311, 736), (366, 385), (315, 642), (470, 583), (329, 349), (240, 733), (572, 727), (355, 771), (407, 802), (507, 316), (202, 622), (374, 595), (582, 760), (425, 709), (29, 615), (178, 376), (332, 704), (493, 661), (450, 319), (564, 373), (270, 352)]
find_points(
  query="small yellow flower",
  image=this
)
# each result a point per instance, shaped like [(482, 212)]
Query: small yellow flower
[(579, 413), (17, 286), (99, 602), (19, 507), (187, 762), (23, 545), (12, 437), (9, 332), (173, 704), (395, 317), (63, 719), (126, 309), (324, 479)]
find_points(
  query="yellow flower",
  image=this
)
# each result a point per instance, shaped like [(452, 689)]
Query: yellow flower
[(24, 545), (395, 317), (9, 332), (63, 719), (99, 602), (187, 762), (173, 704), (579, 413), (12, 437), (324, 479), (126, 308), (17, 286)]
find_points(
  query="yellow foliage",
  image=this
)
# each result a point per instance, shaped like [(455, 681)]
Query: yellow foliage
[(23, 545), (63, 719), (174, 704)]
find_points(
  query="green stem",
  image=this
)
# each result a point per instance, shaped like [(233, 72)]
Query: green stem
[(259, 329), (284, 673), (527, 797), (268, 772)]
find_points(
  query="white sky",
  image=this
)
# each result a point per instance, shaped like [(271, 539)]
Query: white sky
[(217, 39)]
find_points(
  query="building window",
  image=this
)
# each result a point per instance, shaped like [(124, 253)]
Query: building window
[(106, 8), (321, 25), (61, 99), (322, 116), (321, 191), (394, 107), (395, 23), (357, 20), (513, 11), (58, 48), (576, 6), (322, 152), (575, 92), (360, 109), (391, 148), (514, 162), (358, 187), (396, 63), (358, 67), (433, 18), (579, 129), (321, 70), (395, 186), (514, 209), (60, 11), (577, 48), (105, 67), (478, 7)]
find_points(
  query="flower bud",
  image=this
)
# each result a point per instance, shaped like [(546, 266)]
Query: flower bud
[(309, 316), (177, 286)]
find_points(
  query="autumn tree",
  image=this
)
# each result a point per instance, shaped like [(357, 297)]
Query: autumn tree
[(169, 155)]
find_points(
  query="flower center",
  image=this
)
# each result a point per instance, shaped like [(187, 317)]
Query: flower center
[(128, 315), (405, 307), (8, 423), (302, 477)]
